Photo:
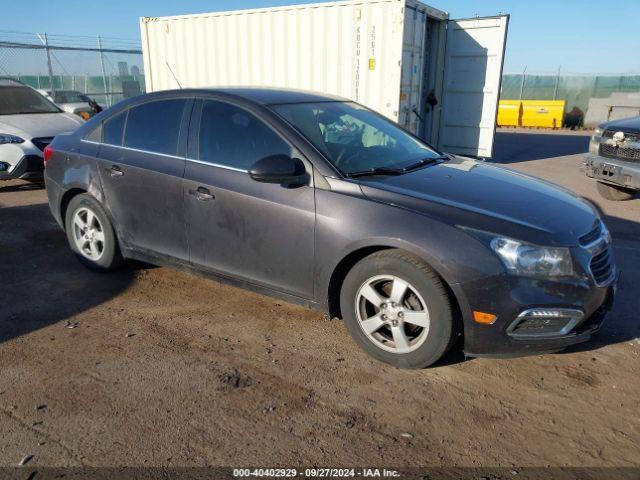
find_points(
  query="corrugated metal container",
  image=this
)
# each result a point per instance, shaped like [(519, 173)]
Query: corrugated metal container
[(386, 54), (509, 113), (543, 113)]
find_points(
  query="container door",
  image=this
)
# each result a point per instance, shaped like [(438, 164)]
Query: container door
[(472, 76)]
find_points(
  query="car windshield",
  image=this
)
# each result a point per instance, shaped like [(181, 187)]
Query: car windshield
[(18, 99), (355, 139), (70, 96)]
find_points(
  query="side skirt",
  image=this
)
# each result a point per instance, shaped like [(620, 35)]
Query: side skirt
[(188, 267)]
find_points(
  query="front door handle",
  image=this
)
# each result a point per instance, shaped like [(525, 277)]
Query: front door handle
[(115, 171), (202, 194)]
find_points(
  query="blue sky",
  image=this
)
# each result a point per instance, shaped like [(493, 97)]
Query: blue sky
[(583, 36)]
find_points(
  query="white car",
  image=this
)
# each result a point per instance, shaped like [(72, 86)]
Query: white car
[(28, 123), (72, 101)]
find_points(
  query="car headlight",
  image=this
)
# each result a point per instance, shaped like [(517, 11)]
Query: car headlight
[(596, 139), (522, 258), (7, 138)]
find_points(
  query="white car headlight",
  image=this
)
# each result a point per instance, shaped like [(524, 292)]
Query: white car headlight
[(521, 258), (7, 138), (596, 138)]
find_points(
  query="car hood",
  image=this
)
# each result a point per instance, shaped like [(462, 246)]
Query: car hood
[(629, 125), (36, 125), (489, 198)]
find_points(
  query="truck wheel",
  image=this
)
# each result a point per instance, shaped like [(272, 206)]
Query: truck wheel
[(397, 309), (614, 193), (91, 235)]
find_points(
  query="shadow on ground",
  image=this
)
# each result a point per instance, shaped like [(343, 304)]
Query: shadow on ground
[(42, 281), (522, 147)]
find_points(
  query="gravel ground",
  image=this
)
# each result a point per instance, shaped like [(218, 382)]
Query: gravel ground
[(153, 367)]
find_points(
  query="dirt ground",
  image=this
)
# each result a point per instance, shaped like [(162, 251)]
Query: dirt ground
[(152, 367)]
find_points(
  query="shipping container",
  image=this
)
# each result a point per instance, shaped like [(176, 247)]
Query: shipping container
[(438, 78)]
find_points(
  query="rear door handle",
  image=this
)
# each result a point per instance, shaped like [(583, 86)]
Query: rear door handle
[(115, 171), (202, 194)]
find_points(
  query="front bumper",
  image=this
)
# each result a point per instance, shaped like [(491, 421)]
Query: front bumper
[(29, 167), (612, 170), (508, 297), (22, 160)]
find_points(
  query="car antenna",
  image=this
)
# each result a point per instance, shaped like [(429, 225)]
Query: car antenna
[(174, 75)]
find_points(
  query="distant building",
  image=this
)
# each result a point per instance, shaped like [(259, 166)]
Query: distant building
[(123, 69), (135, 71)]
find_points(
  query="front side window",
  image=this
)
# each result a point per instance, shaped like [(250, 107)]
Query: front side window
[(15, 100), (354, 138), (155, 126), (232, 137)]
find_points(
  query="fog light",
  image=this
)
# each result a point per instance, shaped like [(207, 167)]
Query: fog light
[(545, 322)]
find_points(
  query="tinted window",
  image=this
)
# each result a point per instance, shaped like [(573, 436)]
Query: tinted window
[(113, 129), (155, 126), (233, 137)]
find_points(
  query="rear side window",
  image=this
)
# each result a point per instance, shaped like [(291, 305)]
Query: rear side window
[(155, 126), (233, 137), (113, 129)]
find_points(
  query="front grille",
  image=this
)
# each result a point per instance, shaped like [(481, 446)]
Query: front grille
[(622, 153), (601, 266), (632, 137), (592, 236), (41, 142)]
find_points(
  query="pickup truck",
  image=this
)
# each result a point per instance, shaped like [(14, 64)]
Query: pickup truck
[(614, 158)]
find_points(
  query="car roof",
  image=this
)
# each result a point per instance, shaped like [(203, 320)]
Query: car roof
[(264, 95), (11, 82)]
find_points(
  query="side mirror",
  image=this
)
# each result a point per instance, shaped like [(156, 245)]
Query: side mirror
[(280, 169)]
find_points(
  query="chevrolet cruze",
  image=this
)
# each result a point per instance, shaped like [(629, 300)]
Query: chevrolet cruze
[(325, 203)]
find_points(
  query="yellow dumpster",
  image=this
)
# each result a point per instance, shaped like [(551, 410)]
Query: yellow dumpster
[(509, 113), (542, 113)]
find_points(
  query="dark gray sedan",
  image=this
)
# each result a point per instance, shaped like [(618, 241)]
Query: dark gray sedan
[(323, 202)]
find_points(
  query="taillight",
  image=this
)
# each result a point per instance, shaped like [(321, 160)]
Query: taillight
[(48, 153)]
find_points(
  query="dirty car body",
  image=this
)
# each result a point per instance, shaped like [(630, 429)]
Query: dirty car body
[(297, 242)]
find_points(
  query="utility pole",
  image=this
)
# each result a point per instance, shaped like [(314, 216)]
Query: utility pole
[(524, 75), (45, 41), (555, 90), (104, 75)]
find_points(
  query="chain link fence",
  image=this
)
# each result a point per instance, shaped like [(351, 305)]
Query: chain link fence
[(577, 90), (105, 68)]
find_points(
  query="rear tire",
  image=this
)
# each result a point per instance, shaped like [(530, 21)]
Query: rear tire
[(616, 194), (413, 329), (91, 235)]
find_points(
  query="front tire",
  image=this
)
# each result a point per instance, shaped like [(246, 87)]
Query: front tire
[(616, 194), (91, 235), (398, 310)]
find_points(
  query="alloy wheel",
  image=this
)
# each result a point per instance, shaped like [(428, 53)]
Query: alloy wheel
[(392, 314), (88, 234)]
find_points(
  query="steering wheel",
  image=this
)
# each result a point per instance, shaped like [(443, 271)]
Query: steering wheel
[(344, 158)]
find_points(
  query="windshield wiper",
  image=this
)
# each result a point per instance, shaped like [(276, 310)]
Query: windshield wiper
[(376, 171), (398, 171), (426, 161)]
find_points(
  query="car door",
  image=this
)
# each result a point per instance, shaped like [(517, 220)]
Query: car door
[(142, 159), (258, 232)]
